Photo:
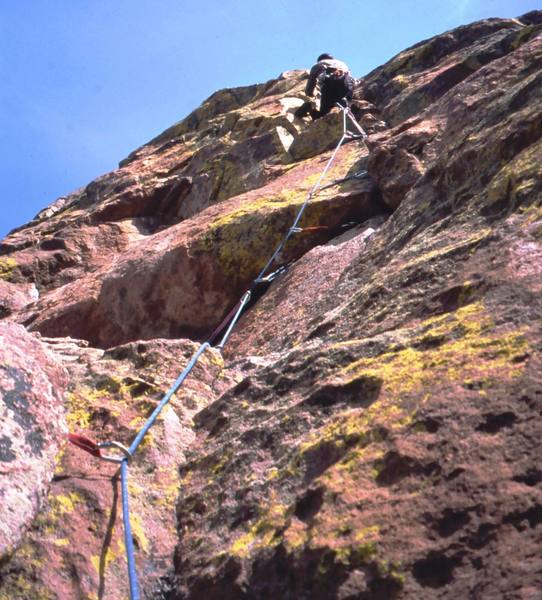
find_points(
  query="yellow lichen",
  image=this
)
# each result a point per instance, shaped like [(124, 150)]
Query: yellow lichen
[(361, 553), (341, 168), (273, 474), (137, 422), (367, 533), (138, 532), (463, 242), (231, 236), (18, 586), (221, 464), (79, 405), (216, 359), (165, 486), (400, 81), (448, 350), (472, 350), (532, 213), (62, 542), (7, 268), (517, 178), (263, 533), (96, 560), (64, 504)]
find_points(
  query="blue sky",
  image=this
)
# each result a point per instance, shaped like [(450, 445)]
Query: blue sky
[(85, 82)]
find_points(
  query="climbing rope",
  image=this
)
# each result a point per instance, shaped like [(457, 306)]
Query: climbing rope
[(125, 454)]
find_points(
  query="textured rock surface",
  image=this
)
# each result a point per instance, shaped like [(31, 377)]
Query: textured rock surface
[(181, 281), (75, 548), (32, 413), (374, 430), (16, 296), (394, 437)]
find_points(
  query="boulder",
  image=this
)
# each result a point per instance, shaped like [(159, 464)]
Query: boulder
[(395, 170), (321, 135), (14, 297), (32, 384)]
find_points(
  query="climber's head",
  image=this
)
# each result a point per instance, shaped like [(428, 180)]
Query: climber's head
[(324, 57)]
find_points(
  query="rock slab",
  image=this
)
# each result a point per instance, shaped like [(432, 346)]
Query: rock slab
[(33, 427)]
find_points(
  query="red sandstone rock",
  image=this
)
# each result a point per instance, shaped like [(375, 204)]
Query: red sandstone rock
[(182, 281), (230, 145), (75, 547), (395, 170), (33, 427), (374, 432), (14, 297), (393, 438)]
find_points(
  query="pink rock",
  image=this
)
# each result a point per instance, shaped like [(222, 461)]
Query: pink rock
[(32, 384), (16, 296)]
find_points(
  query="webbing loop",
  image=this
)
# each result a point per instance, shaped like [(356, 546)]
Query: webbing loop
[(85, 444), (95, 449)]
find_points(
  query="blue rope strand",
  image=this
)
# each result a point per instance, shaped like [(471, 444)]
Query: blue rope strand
[(129, 543), (178, 382), (128, 540), (313, 191)]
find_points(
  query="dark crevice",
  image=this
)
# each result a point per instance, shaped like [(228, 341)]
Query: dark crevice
[(309, 504), (493, 423), (396, 467), (531, 478), (531, 517), (452, 521), (483, 536), (362, 391), (435, 571)]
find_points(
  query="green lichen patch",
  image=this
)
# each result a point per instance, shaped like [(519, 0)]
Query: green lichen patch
[(462, 244), (463, 348), (347, 165), (109, 394), (450, 350), (244, 239), (523, 35)]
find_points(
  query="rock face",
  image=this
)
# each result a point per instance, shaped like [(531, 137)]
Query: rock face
[(75, 547), (373, 431), (31, 404)]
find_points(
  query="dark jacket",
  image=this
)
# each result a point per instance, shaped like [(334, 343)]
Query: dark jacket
[(320, 69)]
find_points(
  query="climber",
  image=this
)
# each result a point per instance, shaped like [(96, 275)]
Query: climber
[(336, 86)]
